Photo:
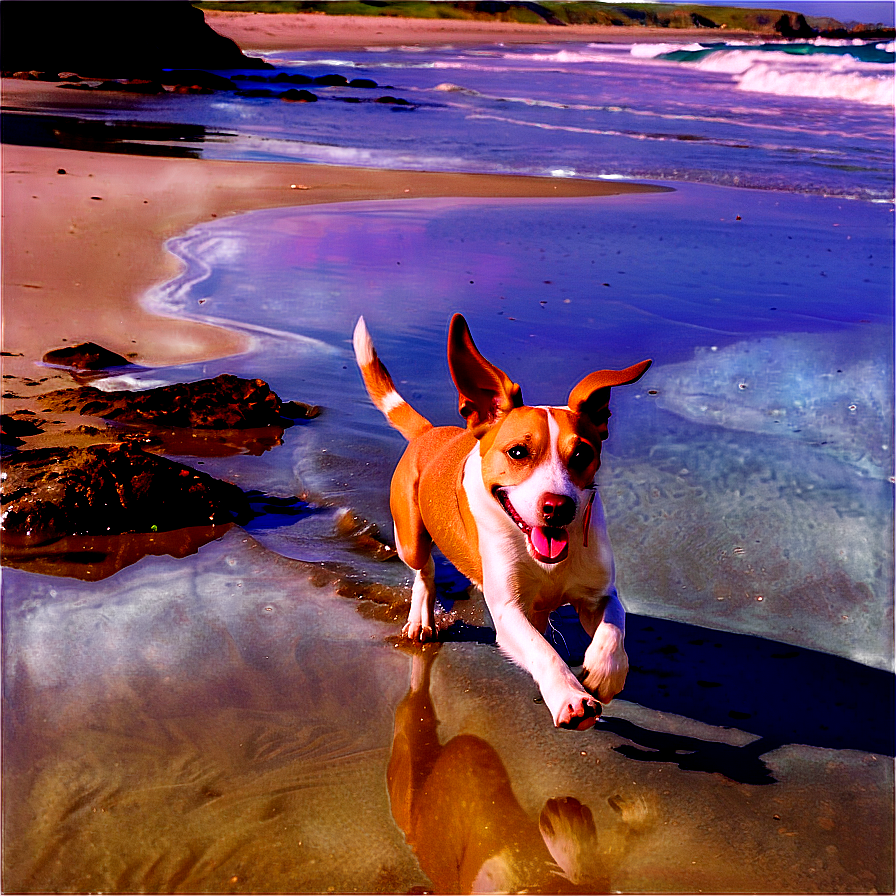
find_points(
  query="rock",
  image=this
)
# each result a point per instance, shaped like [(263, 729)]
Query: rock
[(191, 89), (365, 83), (137, 39), (15, 425), (138, 85), (225, 402), (192, 77), (108, 489), (287, 78), (85, 355), (794, 26), (332, 80), (256, 92), (21, 423), (298, 410), (298, 96), (392, 100)]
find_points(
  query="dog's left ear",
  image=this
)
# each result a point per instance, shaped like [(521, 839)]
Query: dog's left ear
[(485, 391), (591, 396)]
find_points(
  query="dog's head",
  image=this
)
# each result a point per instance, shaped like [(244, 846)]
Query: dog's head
[(537, 462)]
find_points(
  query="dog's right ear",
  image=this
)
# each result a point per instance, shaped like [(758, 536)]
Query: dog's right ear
[(486, 392)]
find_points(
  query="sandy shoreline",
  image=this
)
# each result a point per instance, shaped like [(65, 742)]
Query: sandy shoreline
[(81, 247), (279, 31)]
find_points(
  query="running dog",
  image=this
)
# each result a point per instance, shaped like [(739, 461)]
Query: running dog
[(510, 501)]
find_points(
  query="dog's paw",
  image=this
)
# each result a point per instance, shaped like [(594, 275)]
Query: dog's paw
[(418, 631), (605, 668), (605, 682), (578, 711), (568, 830)]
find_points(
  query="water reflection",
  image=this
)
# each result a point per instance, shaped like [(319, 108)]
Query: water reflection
[(456, 805), (229, 722), (145, 138), (95, 557)]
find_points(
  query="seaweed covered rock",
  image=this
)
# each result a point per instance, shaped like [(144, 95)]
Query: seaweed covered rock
[(225, 402), (49, 493)]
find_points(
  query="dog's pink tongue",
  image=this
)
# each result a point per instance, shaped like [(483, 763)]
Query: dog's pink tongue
[(549, 542)]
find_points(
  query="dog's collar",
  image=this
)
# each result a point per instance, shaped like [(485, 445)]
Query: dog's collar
[(586, 519)]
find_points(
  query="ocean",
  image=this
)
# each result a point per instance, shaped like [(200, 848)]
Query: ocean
[(796, 117), (748, 478)]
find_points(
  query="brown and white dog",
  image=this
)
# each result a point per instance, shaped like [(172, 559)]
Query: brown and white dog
[(510, 501)]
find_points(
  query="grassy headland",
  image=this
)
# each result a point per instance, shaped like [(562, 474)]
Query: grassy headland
[(782, 23)]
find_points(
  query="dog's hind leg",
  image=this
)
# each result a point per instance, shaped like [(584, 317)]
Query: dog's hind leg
[(421, 624), (414, 544)]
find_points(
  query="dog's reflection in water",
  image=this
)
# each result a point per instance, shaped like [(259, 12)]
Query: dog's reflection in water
[(456, 806)]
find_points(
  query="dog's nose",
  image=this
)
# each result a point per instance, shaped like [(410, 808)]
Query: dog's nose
[(557, 510)]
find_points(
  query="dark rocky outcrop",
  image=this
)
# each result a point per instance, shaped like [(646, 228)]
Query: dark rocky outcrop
[(14, 426), (225, 402), (117, 39), (85, 356), (105, 490), (794, 26), (298, 96), (192, 77), (331, 80)]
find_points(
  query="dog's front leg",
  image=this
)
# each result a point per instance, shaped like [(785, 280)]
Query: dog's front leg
[(570, 705), (606, 662)]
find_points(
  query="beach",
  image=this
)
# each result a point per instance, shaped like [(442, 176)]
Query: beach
[(61, 282), (273, 31), (88, 242), (230, 708)]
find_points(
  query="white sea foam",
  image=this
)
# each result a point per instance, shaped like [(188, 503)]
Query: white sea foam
[(564, 56), (822, 76), (872, 90), (651, 51), (448, 87)]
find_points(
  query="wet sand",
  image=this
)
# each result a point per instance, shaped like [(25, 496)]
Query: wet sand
[(80, 247)]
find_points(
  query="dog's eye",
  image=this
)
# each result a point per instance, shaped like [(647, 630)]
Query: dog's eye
[(582, 456), (518, 452)]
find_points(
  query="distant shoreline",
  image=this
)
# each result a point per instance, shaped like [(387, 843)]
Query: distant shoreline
[(267, 32)]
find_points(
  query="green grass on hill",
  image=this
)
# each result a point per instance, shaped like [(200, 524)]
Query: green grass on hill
[(550, 12)]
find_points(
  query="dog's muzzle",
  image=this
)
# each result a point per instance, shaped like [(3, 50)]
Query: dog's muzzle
[(547, 544)]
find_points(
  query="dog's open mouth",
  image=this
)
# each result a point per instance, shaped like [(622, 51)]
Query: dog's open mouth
[(547, 544)]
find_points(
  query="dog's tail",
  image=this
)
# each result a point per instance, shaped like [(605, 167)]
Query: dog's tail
[(382, 390)]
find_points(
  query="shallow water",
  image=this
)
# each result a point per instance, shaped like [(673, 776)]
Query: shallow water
[(765, 420), (237, 718)]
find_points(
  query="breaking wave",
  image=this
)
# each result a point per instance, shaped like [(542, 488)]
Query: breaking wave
[(858, 72)]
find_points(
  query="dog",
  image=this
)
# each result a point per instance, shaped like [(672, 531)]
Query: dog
[(510, 501)]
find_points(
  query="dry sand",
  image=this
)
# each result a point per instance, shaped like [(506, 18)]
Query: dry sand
[(292, 31)]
